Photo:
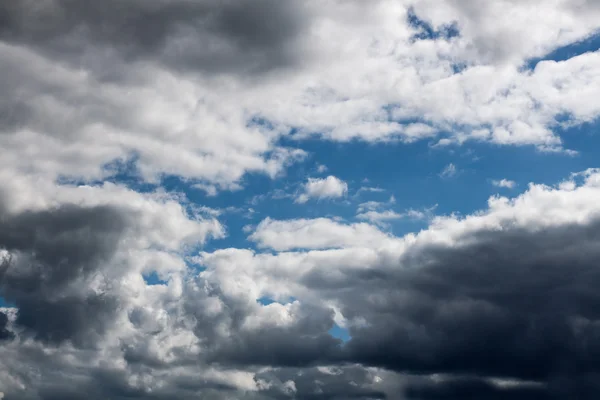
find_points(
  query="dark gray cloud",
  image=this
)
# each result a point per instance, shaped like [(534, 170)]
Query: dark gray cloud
[(510, 304), (302, 343), (474, 389), (306, 342), (51, 255), (5, 334), (201, 35), (347, 382)]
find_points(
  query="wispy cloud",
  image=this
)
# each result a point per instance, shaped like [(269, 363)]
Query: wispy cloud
[(449, 171), (504, 183)]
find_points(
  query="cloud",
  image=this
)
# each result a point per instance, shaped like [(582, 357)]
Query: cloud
[(460, 388), (51, 252), (375, 212), (208, 92), (489, 277), (500, 302), (369, 190), (317, 233), (200, 35), (77, 99), (382, 217), (5, 334), (449, 171), (321, 168), (504, 183), (326, 188)]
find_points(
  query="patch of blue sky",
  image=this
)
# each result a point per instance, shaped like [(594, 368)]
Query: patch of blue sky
[(425, 31), (265, 300), (591, 43), (5, 303), (154, 279), (340, 333)]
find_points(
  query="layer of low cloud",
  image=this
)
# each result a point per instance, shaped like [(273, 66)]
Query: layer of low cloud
[(500, 303)]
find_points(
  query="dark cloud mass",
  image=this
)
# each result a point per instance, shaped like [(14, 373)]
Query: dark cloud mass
[(5, 334), (510, 304), (51, 255), (513, 305), (469, 389), (193, 35)]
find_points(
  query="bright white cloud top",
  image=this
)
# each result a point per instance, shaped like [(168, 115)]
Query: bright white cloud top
[(265, 199), (326, 188)]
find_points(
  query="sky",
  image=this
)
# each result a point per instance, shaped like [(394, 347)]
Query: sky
[(299, 199)]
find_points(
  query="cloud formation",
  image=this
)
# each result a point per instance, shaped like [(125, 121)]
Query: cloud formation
[(107, 290), (330, 187), (504, 183), (468, 296)]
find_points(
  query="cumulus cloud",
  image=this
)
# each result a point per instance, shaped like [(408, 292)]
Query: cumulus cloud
[(500, 303), (489, 276), (76, 98), (317, 233), (326, 188)]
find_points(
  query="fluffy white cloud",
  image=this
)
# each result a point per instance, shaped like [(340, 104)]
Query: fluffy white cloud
[(360, 74), (317, 233), (326, 188)]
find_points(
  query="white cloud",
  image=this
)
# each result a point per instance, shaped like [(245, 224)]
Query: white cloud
[(449, 171), (493, 99), (326, 188), (381, 217), (358, 60), (377, 217), (319, 233), (504, 183), (374, 212), (339, 247), (369, 189)]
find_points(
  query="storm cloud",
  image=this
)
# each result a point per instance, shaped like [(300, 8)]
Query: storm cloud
[(509, 304)]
